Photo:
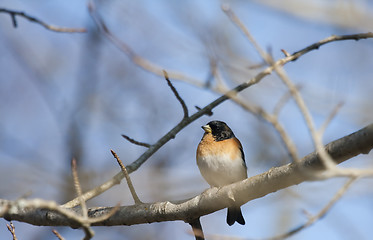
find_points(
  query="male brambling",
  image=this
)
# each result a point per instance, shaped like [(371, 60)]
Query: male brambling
[(221, 161)]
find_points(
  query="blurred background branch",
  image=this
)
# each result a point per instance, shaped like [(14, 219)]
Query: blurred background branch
[(13, 15), (72, 95)]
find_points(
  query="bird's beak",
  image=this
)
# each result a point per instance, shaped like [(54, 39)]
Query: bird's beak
[(207, 128)]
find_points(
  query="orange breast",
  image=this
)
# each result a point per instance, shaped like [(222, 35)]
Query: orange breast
[(208, 146)]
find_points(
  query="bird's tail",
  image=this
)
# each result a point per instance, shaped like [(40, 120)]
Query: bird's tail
[(235, 215)]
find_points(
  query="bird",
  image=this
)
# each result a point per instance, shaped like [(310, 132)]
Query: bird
[(221, 161)]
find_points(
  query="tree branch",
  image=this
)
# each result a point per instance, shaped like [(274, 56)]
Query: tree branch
[(12, 230), (128, 179), (131, 140), (58, 235), (13, 15), (320, 215), (132, 55), (89, 233), (206, 110), (316, 135), (209, 201), (177, 95)]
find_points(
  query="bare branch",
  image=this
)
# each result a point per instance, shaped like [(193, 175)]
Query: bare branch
[(136, 59), (12, 230), (128, 179), (320, 215), (35, 204), (283, 100), (209, 201), (89, 233), (210, 113), (131, 140), (332, 38), (58, 235), (168, 136), (330, 118), (226, 8), (177, 95), (285, 53), (13, 15), (316, 136), (206, 110), (273, 120), (261, 113), (78, 189)]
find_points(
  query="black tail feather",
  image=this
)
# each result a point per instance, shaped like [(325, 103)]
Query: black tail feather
[(235, 215)]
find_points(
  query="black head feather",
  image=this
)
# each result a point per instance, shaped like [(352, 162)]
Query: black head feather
[(220, 130)]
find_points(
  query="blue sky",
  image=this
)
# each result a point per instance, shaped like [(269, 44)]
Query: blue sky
[(52, 81)]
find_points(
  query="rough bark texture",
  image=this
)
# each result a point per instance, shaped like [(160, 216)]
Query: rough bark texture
[(360, 142)]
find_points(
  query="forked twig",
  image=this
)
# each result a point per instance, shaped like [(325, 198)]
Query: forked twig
[(12, 230), (43, 213), (206, 110), (319, 215), (316, 138), (273, 120)]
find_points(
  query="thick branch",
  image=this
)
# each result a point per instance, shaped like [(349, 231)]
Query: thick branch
[(212, 199)]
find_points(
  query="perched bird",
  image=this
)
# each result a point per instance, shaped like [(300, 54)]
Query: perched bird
[(221, 161)]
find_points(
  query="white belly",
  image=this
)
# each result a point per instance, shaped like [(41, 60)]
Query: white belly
[(221, 171)]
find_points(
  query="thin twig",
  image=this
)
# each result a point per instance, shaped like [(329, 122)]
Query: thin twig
[(131, 140), (89, 233), (12, 230), (128, 179), (206, 110), (273, 120), (197, 229), (330, 118), (317, 138), (226, 8), (332, 38), (261, 113), (285, 98), (177, 95), (135, 58), (285, 53), (78, 189), (210, 113), (320, 215), (58, 235), (13, 15)]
